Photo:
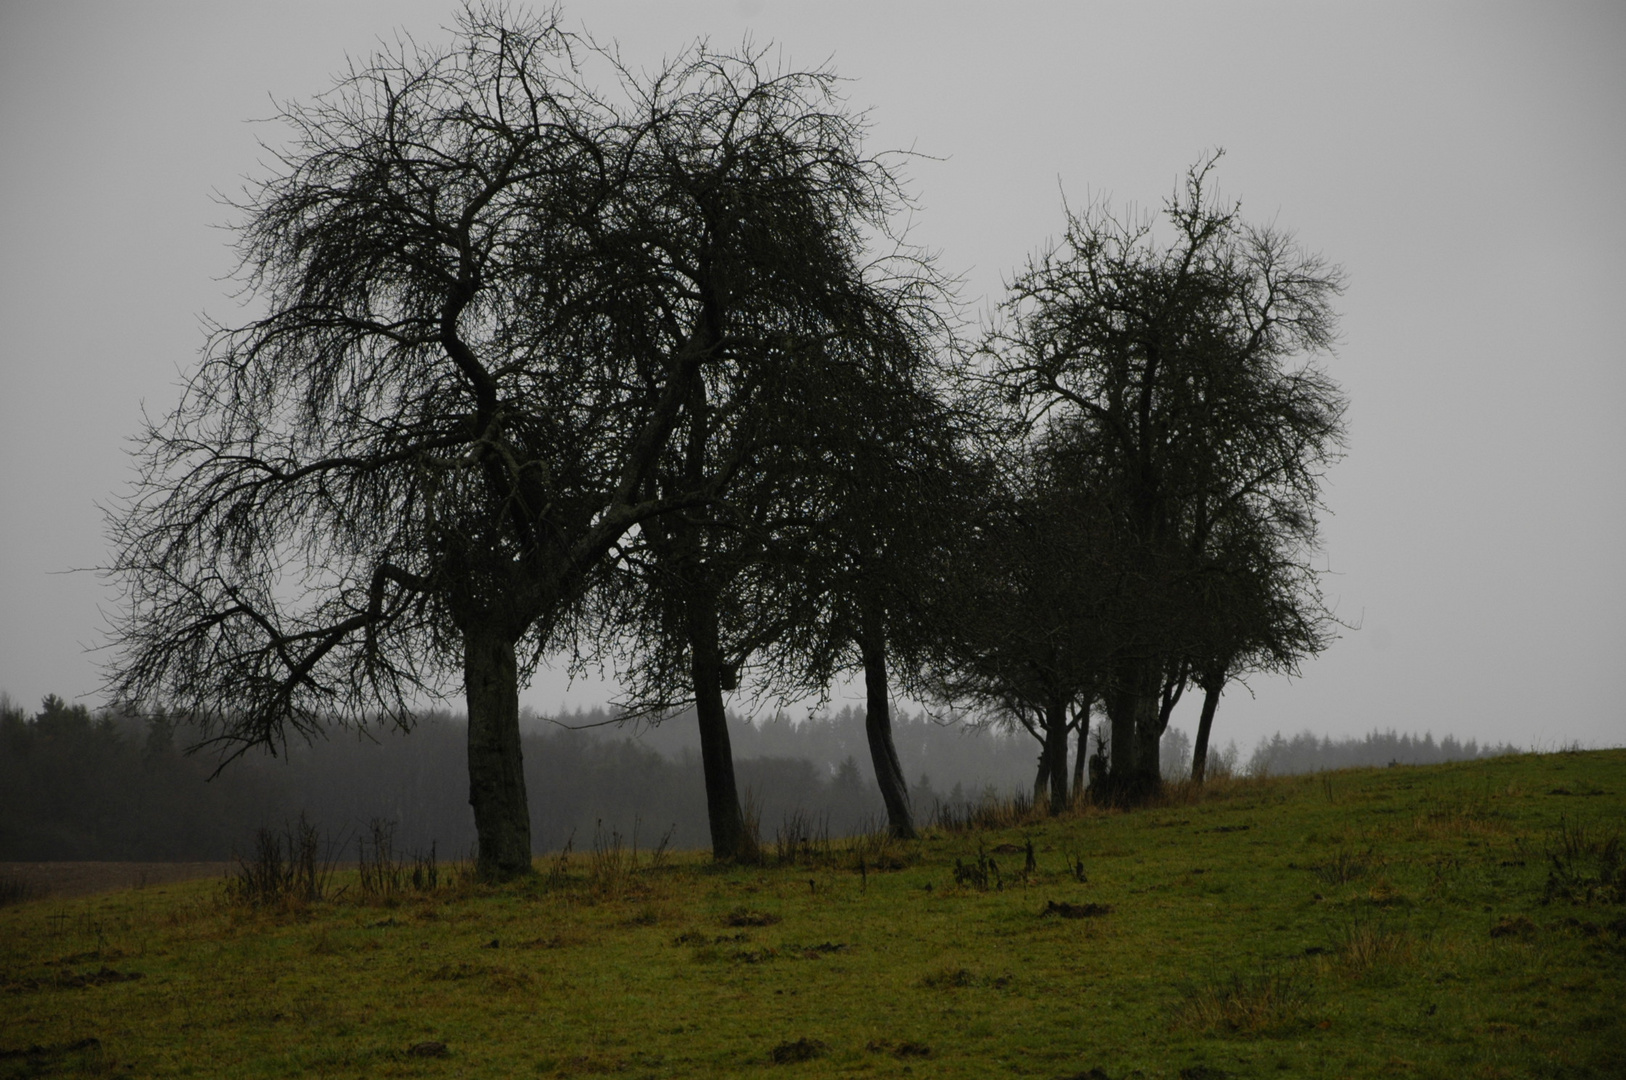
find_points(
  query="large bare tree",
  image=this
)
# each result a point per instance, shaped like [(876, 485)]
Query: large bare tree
[(490, 297), (1186, 368)]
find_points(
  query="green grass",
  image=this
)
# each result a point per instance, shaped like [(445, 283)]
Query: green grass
[(1454, 921)]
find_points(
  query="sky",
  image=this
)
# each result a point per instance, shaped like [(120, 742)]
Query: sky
[(1462, 162)]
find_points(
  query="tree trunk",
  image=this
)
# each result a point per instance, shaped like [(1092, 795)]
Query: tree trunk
[(1199, 753), (728, 836), (1083, 749), (882, 751), (1149, 733), (1041, 779), (1055, 749), (1121, 715), (502, 818), (1133, 709), (1121, 708)]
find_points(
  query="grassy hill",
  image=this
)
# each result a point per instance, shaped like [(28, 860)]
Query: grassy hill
[(1447, 921)]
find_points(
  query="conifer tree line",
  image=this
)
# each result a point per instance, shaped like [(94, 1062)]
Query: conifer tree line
[(559, 360), (83, 785), (78, 784)]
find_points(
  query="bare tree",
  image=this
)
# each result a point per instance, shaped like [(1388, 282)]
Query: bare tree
[(771, 210), (492, 298), (1181, 367)]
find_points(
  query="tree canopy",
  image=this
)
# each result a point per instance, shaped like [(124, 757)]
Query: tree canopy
[(1183, 373), (496, 301), (643, 373)]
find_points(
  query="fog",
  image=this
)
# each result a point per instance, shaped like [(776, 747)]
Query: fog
[(1461, 162), (80, 787)]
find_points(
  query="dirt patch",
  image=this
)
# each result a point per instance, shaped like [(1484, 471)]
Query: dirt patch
[(1518, 926), (899, 1050), (65, 879), (788, 1053), (746, 917), (433, 1049), (46, 1057), (1075, 911), (75, 981)]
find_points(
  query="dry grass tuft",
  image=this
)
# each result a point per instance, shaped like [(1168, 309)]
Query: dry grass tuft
[(1271, 1001), (1370, 945), (1345, 866), (1583, 866), (988, 814), (15, 889)]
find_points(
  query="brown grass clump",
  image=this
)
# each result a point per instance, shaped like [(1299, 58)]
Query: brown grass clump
[(1584, 866), (988, 814), (1270, 1001), (1345, 866), (1370, 945)]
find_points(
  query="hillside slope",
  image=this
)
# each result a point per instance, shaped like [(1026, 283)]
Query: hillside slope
[(1442, 921)]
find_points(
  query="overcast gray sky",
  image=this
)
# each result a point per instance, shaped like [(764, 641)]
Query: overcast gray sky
[(1464, 162)]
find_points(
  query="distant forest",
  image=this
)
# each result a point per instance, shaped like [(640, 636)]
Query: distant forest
[(78, 785)]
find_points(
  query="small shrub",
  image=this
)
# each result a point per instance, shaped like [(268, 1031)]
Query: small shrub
[(294, 866), (1222, 764)]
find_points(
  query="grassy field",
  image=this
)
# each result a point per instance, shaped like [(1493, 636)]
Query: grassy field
[(1453, 921)]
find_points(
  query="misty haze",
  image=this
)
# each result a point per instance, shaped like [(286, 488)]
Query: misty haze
[(697, 539)]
